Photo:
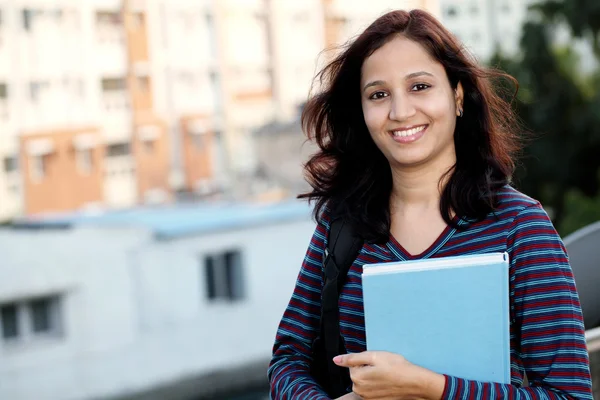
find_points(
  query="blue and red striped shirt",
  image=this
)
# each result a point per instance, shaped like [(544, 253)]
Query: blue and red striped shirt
[(547, 334)]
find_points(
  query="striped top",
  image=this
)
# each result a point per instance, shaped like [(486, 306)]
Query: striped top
[(547, 335)]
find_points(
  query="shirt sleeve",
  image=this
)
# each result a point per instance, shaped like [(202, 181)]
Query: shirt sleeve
[(289, 370), (547, 319)]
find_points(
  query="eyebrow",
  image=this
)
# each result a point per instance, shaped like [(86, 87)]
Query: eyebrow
[(409, 76)]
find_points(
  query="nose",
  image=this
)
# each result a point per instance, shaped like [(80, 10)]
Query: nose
[(401, 108)]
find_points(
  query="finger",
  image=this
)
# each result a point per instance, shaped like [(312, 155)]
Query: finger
[(354, 360)]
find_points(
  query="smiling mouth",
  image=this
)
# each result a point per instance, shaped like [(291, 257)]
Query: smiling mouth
[(407, 133)]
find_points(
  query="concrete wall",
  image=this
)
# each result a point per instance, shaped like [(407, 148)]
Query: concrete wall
[(135, 311)]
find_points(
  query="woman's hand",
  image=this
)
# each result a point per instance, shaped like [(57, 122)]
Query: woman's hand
[(383, 375)]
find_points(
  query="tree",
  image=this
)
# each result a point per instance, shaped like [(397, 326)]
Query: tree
[(582, 16), (559, 106)]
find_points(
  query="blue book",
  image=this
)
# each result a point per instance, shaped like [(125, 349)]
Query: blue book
[(449, 315)]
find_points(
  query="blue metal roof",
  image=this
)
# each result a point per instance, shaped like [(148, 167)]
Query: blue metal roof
[(181, 219)]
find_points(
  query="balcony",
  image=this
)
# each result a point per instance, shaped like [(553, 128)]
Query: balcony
[(116, 110), (111, 51)]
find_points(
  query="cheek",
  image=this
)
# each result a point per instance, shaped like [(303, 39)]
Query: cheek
[(375, 117), (440, 110)]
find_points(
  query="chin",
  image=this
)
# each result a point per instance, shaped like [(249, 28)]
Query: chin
[(406, 160)]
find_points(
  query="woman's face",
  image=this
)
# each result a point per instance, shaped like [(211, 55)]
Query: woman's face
[(409, 106)]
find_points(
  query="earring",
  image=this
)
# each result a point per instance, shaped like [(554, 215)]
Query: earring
[(460, 113)]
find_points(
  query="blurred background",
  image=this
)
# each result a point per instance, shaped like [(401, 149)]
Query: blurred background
[(151, 153)]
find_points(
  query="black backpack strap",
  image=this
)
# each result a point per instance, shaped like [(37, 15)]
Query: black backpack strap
[(343, 245)]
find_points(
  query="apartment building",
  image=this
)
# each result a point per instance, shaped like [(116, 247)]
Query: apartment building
[(109, 103), (346, 18), (78, 125), (226, 68), (486, 25)]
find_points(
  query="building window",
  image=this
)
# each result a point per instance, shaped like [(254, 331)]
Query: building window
[(138, 20), (143, 83), (199, 140), (30, 319), (3, 101), (37, 89), (224, 277), (109, 27), (114, 92), (39, 167), (451, 11), (8, 316), (118, 150), (113, 84), (108, 18), (29, 16), (11, 164), (27, 19), (215, 88), (85, 161), (148, 146)]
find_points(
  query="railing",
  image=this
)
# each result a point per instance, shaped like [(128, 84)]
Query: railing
[(592, 336)]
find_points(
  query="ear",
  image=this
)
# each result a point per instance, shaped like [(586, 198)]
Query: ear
[(459, 98)]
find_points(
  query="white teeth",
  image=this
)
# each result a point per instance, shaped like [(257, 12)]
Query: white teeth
[(409, 132)]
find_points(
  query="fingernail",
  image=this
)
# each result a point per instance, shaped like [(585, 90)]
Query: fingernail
[(337, 359)]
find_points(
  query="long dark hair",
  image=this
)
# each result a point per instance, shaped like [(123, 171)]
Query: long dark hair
[(351, 175)]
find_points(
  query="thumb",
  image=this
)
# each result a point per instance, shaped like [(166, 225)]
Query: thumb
[(354, 360)]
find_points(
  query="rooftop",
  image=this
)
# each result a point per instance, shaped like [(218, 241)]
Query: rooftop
[(172, 221)]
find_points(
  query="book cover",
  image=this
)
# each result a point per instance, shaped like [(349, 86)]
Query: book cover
[(449, 315)]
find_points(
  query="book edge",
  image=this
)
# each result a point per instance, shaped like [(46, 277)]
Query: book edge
[(431, 264)]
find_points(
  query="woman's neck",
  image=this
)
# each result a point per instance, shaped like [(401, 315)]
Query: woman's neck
[(419, 187)]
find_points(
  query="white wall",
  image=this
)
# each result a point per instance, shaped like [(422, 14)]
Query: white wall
[(120, 187), (99, 315), (136, 312), (182, 56), (11, 191), (484, 24), (299, 39)]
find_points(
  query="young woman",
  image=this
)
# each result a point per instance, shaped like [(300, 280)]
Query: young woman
[(416, 150)]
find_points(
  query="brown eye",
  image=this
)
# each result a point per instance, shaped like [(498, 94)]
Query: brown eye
[(378, 95), (419, 87)]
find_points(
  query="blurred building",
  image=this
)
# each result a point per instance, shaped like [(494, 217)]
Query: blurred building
[(486, 25), (182, 300), (250, 63), (110, 103), (346, 18), (226, 68), (80, 127)]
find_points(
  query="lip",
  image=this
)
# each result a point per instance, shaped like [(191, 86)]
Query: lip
[(412, 138)]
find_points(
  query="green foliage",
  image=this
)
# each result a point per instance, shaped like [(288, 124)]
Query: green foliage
[(582, 16), (561, 106), (582, 210)]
